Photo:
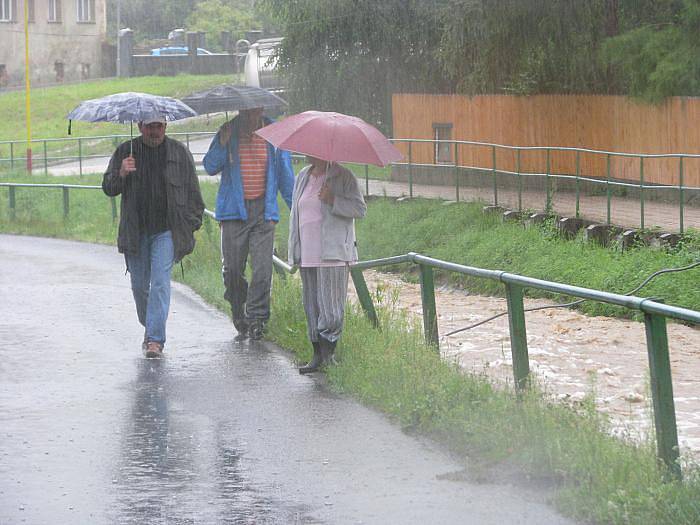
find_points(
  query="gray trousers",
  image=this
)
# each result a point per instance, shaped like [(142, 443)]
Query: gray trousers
[(239, 239), (324, 293)]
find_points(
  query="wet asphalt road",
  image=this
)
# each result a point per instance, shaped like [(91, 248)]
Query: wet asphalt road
[(217, 432)]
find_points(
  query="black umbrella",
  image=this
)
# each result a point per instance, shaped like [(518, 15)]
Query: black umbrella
[(129, 107), (232, 98)]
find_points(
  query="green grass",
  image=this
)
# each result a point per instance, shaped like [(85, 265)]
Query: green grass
[(597, 478), (50, 105)]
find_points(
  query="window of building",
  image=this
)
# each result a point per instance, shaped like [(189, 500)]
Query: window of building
[(54, 11), (30, 10), (443, 150), (86, 10), (6, 10)]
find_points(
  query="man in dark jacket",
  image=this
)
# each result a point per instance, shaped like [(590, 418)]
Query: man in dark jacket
[(161, 208)]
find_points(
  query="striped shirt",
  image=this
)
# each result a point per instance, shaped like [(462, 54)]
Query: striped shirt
[(252, 152)]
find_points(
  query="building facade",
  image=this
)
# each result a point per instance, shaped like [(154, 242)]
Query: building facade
[(66, 40)]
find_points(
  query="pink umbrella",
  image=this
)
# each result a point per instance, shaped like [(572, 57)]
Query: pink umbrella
[(331, 136)]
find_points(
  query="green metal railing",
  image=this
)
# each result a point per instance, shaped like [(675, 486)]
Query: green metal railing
[(51, 152), (607, 181), (78, 150), (655, 315), (65, 188)]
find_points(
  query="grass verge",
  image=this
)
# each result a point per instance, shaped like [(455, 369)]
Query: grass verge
[(50, 105), (598, 478)]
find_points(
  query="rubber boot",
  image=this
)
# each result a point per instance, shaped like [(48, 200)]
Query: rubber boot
[(327, 351), (316, 360)]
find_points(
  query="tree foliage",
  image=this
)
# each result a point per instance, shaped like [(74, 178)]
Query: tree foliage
[(151, 19), (351, 55), (661, 56), (525, 47), (215, 16), (154, 19)]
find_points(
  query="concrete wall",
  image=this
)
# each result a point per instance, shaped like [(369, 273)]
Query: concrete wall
[(144, 65), (133, 65), (76, 45)]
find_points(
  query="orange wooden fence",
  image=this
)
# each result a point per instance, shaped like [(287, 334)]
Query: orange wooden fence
[(601, 122)]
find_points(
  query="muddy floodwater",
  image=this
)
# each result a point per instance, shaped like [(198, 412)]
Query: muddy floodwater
[(571, 354)]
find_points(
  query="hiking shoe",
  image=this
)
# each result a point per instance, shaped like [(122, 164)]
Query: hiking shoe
[(242, 335), (154, 350), (255, 331)]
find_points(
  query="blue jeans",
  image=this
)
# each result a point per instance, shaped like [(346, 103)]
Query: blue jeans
[(150, 282)]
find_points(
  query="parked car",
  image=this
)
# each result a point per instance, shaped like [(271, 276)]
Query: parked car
[(261, 65), (177, 50)]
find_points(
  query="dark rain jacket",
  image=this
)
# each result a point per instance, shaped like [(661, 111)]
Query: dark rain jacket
[(185, 204)]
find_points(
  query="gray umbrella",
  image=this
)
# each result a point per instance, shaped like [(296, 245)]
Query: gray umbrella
[(232, 98), (129, 107)]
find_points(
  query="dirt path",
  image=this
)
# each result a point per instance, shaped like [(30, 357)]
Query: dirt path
[(570, 353)]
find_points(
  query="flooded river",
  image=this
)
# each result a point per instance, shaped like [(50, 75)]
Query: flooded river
[(572, 355)]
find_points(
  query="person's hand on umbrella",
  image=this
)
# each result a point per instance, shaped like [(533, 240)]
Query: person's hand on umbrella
[(326, 194), (225, 133), (128, 165)]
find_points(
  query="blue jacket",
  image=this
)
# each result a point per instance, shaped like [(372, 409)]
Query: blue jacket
[(229, 199)]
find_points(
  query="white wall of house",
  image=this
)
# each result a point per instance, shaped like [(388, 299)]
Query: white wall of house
[(63, 34)]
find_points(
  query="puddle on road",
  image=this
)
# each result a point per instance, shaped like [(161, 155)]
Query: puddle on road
[(571, 354)]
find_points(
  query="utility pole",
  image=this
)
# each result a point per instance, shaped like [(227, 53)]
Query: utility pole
[(27, 89)]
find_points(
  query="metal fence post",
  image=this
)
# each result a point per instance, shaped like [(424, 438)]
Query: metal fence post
[(366, 180), (12, 155), (410, 170), (427, 294), (578, 183), (518, 336), (608, 188), (66, 203), (364, 296), (493, 170), (547, 182), (641, 192), (13, 208), (46, 160), (680, 193), (662, 392), (456, 172), (80, 156), (520, 181)]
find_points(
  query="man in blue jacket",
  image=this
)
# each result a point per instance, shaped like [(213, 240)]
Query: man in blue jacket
[(252, 172)]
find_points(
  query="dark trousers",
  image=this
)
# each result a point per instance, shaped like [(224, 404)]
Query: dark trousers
[(239, 240)]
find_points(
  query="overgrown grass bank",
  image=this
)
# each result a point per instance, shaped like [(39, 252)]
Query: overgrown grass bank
[(599, 478)]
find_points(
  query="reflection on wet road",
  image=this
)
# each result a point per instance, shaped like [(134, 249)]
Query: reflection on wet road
[(218, 432)]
